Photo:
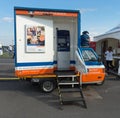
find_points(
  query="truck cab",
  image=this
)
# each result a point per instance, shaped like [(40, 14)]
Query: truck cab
[(95, 70)]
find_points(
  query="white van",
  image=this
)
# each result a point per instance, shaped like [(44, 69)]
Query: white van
[(1, 50)]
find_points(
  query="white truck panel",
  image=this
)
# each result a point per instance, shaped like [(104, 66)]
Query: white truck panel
[(47, 55)]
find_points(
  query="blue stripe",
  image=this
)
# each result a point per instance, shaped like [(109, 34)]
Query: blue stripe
[(93, 63), (15, 48), (35, 64), (79, 30), (45, 9), (40, 63)]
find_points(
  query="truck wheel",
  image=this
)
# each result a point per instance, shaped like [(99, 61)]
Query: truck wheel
[(48, 86)]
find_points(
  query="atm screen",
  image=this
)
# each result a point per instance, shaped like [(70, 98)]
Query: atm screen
[(62, 40)]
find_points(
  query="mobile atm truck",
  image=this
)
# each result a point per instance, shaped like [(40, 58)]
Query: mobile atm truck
[(48, 40)]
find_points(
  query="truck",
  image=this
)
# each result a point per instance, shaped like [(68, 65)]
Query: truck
[(48, 40)]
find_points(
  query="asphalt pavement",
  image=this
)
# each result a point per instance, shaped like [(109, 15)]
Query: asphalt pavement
[(7, 68), (19, 99)]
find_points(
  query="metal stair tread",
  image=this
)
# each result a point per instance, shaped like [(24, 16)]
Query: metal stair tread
[(65, 90), (69, 87), (66, 75), (68, 83), (72, 99)]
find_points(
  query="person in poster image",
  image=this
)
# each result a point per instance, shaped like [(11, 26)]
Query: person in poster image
[(41, 37), (29, 35)]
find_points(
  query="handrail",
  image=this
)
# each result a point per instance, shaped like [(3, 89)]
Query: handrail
[(80, 54), (80, 65)]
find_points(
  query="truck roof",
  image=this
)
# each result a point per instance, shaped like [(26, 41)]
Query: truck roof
[(46, 9)]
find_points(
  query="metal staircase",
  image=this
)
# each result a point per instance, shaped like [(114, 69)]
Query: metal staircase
[(69, 88)]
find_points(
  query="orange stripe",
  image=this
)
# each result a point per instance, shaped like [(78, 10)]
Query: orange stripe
[(21, 12), (54, 14), (91, 77), (94, 74), (45, 13), (97, 70), (36, 72), (23, 73)]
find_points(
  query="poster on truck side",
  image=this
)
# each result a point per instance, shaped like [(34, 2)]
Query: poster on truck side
[(35, 38)]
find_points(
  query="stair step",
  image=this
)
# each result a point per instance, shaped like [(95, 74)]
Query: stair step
[(73, 99), (63, 76), (68, 83), (69, 87), (66, 90)]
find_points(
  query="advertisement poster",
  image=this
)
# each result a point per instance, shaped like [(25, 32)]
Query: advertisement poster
[(35, 38)]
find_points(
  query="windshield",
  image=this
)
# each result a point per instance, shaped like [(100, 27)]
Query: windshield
[(88, 55)]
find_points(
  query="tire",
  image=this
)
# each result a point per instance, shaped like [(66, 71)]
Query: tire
[(48, 85)]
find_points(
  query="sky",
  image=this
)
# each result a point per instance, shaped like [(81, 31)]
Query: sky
[(97, 16)]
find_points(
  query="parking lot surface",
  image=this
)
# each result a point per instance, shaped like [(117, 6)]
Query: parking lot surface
[(19, 99)]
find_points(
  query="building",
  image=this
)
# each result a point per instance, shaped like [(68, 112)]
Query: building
[(110, 38)]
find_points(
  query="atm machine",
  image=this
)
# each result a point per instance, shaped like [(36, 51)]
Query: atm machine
[(63, 49)]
